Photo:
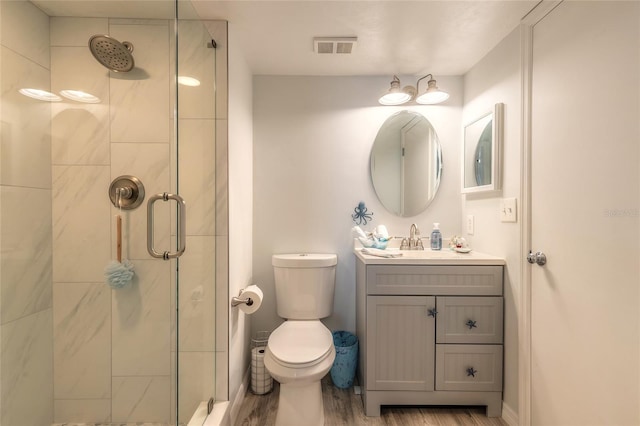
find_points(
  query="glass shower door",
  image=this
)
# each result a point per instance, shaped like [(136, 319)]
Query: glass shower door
[(196, 181)]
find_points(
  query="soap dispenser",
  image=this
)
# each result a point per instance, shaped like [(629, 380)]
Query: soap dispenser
[(436, 237)]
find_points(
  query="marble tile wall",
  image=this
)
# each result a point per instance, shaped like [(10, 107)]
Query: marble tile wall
[(26, 370), (111, 347), (81, 227)]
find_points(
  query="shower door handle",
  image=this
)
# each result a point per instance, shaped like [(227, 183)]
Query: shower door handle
[(182, 231)]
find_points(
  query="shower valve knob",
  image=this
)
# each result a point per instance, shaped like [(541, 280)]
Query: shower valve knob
[(126, 192)]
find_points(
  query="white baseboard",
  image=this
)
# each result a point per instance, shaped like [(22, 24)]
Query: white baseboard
[(508, 415), (236, 403)]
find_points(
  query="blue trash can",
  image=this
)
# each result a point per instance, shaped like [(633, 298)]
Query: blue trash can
[(343, 370)]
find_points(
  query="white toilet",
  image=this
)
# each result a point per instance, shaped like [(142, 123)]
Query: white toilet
[(300, 352)]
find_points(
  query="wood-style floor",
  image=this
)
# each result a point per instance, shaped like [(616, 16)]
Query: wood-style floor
[(344, 407)]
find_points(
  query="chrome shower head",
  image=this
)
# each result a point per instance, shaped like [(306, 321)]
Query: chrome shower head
[(111, 53)]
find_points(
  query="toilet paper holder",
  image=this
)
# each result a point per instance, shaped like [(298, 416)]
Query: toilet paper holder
[(236, 300)]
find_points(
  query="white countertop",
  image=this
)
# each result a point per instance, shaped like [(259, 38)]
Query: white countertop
[(430, 257)]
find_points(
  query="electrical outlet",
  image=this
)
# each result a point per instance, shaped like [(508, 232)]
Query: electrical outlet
[(470, 224), (508, 211)]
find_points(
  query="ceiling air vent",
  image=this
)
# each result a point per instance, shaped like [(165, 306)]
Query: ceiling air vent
[(330, 45)]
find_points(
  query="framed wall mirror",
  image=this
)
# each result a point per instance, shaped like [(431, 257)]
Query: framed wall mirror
[(481, 152), (406, 163)]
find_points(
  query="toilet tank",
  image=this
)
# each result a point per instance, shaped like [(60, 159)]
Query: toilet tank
[(305, 284)]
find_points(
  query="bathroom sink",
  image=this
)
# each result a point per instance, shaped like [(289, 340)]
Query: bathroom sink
[(427, 254), (430, 257)]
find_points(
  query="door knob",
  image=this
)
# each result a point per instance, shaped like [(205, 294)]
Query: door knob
[(538, 257)]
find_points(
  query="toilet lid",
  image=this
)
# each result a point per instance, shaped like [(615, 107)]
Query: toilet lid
[(300, 342)]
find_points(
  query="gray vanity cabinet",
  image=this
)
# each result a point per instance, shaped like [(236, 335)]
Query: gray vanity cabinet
[(429, 334)]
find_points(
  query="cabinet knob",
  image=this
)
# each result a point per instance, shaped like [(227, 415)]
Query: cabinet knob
[(432, 312), (471, 372), (471, 324)]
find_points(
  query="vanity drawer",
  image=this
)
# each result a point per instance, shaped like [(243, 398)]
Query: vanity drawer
[(434, 280), (469, 319), (469, 367)]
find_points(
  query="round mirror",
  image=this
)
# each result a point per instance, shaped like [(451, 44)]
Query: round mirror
[(406, 163)]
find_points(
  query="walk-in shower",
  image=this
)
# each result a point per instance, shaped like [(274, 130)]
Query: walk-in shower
[(74, 350)]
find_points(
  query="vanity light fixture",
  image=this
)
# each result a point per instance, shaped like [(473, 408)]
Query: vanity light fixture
[(432, 95), (398, 96)]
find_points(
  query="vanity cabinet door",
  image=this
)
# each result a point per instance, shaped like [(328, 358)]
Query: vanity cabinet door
[(400, 343), (469, 320)]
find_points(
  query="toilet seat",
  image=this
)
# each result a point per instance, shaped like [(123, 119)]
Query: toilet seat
[(300, 344)]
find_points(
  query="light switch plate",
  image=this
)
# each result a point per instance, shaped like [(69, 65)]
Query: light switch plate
[(508, 211), (470, 224)]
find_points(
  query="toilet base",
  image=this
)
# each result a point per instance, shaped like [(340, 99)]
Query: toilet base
[(300, 404)]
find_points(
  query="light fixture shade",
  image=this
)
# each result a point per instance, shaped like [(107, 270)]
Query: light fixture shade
[(432, 95), (395, 95), (397, 98)]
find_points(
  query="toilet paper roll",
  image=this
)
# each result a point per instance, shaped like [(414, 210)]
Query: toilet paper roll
[(254, 293), (261, 380)]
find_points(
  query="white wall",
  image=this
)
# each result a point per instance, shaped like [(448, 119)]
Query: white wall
[(312, 138), (240, 207), (496, 78)]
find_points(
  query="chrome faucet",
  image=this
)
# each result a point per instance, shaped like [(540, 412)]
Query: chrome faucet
[(412, 233), (414, 242)]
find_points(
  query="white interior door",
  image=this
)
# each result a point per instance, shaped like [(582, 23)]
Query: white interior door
[(585, 363)]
